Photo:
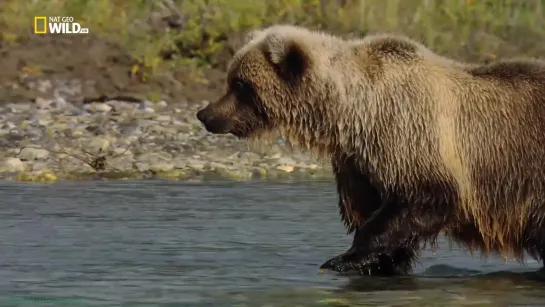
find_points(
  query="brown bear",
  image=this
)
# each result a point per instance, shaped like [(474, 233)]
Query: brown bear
[(420, 144)]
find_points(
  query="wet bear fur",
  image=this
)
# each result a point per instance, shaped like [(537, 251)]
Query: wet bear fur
[(419, 144)]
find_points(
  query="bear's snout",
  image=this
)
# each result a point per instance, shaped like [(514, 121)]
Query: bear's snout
[(201, 116), (212, 123)]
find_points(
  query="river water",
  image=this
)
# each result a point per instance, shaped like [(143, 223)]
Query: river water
[(157, 243)]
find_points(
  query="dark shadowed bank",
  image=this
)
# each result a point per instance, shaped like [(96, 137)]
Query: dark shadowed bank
[(120, 102)]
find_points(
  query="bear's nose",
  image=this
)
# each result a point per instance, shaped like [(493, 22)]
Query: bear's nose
[(201, 116)]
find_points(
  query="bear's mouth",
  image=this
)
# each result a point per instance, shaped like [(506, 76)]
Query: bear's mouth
[(239, 133)]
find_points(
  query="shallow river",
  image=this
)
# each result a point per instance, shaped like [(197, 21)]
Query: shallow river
[(155, 243)]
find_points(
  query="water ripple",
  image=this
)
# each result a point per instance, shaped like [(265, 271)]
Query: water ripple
[(156, 243)]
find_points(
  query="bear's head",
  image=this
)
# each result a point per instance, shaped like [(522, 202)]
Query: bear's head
[(272, 84)]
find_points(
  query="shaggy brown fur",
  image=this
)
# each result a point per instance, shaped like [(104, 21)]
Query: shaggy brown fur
[(420, 144)]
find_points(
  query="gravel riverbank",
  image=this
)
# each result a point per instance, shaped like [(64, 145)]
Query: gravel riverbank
[(53, 139)]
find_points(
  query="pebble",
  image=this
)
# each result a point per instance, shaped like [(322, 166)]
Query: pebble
[(42, 103), (161, 104), (12, 165), (59, 102), (19, 107), (154, 158), (98, 144), (98, 107), (160, 137), (30, 154), (147, 110), (164, 118), (161, 167), (286, 161), (286, 168), (44, 86)]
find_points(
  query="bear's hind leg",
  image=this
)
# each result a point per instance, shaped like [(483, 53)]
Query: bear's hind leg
[(535, 237), (542, 252)]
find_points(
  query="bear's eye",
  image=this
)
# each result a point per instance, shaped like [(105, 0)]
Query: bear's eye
[(243, 90), (239, 86)]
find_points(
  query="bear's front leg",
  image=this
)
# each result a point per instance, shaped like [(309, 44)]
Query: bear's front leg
[(378, 261), (380, 246), (383, 239)]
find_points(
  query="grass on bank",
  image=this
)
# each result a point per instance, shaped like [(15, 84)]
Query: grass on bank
[(200, 31)]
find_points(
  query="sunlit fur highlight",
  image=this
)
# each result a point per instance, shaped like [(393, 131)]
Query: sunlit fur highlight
[(409, 117)]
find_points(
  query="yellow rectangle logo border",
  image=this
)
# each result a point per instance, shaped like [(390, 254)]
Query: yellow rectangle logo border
[(36, 18)]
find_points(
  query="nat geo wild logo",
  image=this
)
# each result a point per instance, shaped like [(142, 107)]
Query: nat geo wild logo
[(57, 25)]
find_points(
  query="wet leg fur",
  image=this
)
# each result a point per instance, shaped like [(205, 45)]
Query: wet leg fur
[(387, 239), (387, 244), (535, 230), (388, 231)]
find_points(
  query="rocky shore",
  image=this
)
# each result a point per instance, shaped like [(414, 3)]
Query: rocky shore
[(53, 139)]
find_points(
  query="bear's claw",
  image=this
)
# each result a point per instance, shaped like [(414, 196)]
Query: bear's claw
[(374, 263)]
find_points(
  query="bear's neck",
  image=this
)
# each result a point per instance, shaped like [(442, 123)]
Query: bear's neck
[(325, 133)]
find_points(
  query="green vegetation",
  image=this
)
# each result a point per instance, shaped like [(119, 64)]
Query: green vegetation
[(203, 31)]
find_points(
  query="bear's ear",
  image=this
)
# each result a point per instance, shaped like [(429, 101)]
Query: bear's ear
[(288, 56)]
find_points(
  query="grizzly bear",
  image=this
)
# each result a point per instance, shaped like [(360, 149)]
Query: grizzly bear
[(420, 144)]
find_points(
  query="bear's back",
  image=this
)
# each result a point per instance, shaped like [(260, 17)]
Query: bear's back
[(511, 70)]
